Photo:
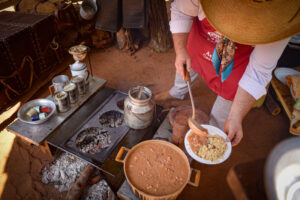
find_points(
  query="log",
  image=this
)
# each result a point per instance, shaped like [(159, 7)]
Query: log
[(161, 38), (76, 190), (272, 105)]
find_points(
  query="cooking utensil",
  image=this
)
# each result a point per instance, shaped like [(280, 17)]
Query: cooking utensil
[(37, 102), (211, 130), (61, 99), (282, 170), (144, 195), (197, 128), (58, 83)]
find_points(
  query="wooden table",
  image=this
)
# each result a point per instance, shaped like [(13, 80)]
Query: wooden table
[(284, 95)]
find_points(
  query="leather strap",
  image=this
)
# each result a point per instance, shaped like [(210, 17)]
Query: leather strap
[(27, 59)]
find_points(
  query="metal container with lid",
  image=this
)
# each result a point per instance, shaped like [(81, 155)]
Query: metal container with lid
[(139, 108)]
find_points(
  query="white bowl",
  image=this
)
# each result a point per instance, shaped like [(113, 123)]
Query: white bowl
[(282, 72), (211, 130)]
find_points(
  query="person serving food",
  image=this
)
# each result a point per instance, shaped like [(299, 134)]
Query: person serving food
[(234, 46)]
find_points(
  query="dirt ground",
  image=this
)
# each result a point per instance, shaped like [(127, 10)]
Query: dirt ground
[(20, 167)]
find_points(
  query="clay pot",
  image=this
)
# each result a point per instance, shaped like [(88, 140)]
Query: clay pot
[(178, 119)]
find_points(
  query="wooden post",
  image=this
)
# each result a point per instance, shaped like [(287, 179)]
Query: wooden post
[(161, 38)]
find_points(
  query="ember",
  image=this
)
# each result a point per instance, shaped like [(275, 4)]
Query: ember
[(92, 140), (111, 119), (63, 172)]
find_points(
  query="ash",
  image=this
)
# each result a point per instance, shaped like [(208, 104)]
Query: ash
[(92, 140), (63, 172), (111, 119), (99, 191)]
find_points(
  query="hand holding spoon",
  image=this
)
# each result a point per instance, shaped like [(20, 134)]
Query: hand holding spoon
[(194, 126)]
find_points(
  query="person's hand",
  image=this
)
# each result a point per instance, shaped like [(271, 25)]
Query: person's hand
[(182, 58), (234, 130)]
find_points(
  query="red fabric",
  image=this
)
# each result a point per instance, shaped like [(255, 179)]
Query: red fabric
[(201, 44)]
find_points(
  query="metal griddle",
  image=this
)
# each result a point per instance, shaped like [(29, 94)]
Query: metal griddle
[(103, 101), (116, 134)]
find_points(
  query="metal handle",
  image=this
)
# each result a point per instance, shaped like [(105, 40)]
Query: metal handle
[(87, 78), (197, 178), (52, 89), (120, 153)]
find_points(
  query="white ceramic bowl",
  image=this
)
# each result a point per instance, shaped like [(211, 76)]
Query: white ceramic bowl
[(211, 130), (282, 72)]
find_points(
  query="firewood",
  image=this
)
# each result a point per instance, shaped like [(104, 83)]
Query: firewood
[(272, 105), (94, 180), (76, 190)]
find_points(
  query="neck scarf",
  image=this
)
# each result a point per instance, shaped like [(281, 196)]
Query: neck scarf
[(223, 57)]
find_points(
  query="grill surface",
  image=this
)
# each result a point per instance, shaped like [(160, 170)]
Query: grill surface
[(116, 133)]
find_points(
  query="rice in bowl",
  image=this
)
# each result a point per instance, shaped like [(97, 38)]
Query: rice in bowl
[(213, 149)]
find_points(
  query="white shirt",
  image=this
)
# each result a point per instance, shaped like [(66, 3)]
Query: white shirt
[(263, 58)]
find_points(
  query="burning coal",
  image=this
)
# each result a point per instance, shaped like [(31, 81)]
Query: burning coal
[(92, 140)]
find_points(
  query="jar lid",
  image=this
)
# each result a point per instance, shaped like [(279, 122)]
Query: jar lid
[(140, 94)]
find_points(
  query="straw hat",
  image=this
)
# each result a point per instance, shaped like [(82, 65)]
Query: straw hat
[(253, 21)]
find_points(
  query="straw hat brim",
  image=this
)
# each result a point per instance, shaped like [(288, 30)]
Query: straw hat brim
[(253, 21)]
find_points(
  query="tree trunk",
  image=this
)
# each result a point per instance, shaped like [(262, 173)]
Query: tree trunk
[(161, 39)]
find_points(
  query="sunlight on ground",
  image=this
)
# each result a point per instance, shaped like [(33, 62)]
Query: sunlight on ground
[(11, 8), (3, 179), (6, 143), (7, 114)]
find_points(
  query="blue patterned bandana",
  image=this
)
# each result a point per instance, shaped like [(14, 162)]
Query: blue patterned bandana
[(223, 56)]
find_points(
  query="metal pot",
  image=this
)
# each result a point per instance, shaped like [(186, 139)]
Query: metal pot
[(144, 195), (282, 171), (139, 108)]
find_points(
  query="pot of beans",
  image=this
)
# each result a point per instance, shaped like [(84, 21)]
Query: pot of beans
[(157, 169)]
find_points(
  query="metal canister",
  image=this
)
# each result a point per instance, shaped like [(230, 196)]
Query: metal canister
[(72, 91), (62, 101), (80, 84), (139, 108)]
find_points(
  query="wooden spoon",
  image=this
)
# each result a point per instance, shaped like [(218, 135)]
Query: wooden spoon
[(194, 126)]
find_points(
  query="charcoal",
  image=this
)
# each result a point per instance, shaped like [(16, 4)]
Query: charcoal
[(92, 140), (111, 119)]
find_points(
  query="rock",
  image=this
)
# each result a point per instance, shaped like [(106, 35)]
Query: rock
[(25, 159), (25, 185), (36, 167), (40, 187), (23, 143), (33, 195), (37, 152), (18, 162), (9, 192)]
